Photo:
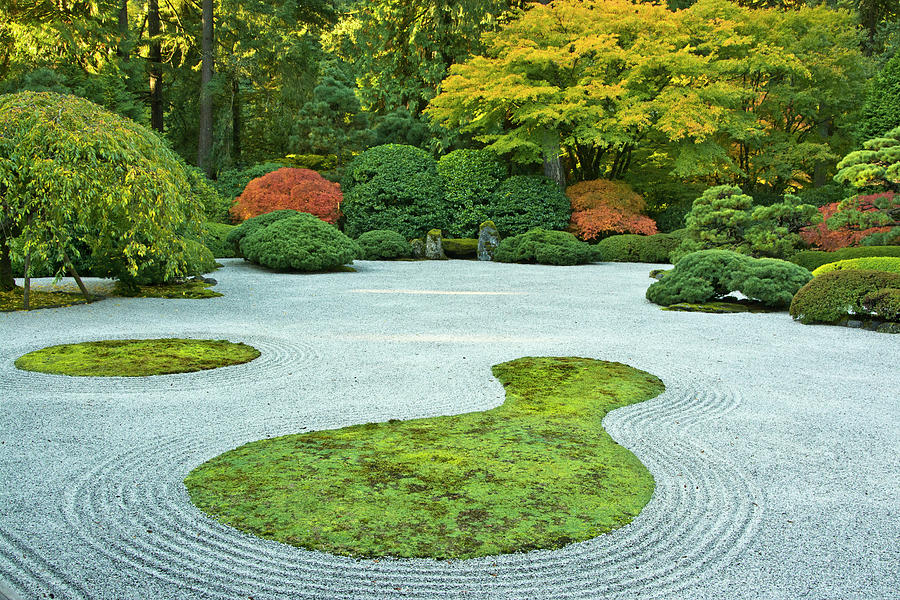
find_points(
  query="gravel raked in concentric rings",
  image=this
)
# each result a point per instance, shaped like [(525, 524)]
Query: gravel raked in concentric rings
[(774, 447)]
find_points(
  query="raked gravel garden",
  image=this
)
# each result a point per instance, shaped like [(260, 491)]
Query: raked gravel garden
[(773, 449)]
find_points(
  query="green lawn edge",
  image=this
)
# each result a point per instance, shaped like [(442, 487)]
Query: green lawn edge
[(537, 472), (136, 358)]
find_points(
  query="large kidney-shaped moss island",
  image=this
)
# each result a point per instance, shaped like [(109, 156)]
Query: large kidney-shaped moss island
[(136, 358), (538, 471)]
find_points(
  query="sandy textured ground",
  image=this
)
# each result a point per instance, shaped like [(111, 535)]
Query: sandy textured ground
[(776, 447)]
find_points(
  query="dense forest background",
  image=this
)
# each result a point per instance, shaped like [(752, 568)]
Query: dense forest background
[(233, 83)]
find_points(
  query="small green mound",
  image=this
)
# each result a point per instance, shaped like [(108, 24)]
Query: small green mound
[(546, 248), (136, 358), (299, 242), (889, 264), (630, 247), (831, 297), (193, 289), (215, 237), (383, 244), (813, 259), (724, 306), (15, 299), (538, 471)]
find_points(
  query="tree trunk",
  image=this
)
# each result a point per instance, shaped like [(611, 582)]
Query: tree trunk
[(122, 47), (155, 58), (204, 145), (237, 122), (7, 281)]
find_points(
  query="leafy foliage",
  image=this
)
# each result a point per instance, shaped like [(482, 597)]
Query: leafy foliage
[(470, 180), (890, 264), (236, 236), (725, 218), (813, 259), (525, 202), (294, 189), (231, 182), (71, 172), (823, 237), (831, 297), (881, 111), (883, 304), (639, 248), (383, 244), (708, 274), (394, 187), (299, 242), (545, 248), (215, 237), (603, 207)]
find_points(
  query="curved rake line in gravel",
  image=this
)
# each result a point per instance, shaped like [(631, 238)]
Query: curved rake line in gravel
[(28, 571), (702, 503)]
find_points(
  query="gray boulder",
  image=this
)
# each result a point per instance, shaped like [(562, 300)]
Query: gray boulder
[(434, 249), (488, 240)]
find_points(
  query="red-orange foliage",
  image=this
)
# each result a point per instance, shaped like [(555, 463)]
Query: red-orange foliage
[(825, 239), (297, 189), (604, 206)]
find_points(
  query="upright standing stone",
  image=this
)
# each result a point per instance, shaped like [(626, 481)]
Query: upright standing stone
[(434, 250), (418, 248), (488, 240)]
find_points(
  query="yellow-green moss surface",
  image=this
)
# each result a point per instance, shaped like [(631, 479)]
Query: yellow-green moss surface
[(537, 472), (136, 358)]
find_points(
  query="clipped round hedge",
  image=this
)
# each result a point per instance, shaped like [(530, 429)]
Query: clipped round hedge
[(884, 304), (396, 187), (526, 202), (813, 259), (300, 242), (470, 179), (215, 237), (639, 248), (236, 236), (708, 274), (831, 297), (545, 248), (383, 244), (872, 263)]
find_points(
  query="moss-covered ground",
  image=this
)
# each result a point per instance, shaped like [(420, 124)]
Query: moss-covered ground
[(726, 305), (136, 358), (538, 471), (196, 289), (15, 299)]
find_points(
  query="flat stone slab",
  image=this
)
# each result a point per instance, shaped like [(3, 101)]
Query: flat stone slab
[(774, 447)]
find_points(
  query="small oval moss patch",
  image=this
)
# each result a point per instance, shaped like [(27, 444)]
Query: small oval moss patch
[(537, 472), (136, 358)]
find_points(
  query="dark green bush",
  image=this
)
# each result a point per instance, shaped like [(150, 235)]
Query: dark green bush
[(525, 202), (708, 274), (215, 205), (638, 248), (813, 259), (215, 237), (833, 296), (394, 187), (546, 248), (237, 235), (383, 244), (470, 179), (196, 257), (883, 304), (299, 242)]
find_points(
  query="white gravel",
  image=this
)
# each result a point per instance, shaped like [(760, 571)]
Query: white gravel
[(775, 447)]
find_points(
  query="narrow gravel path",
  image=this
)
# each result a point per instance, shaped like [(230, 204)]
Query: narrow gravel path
[(775, 448)]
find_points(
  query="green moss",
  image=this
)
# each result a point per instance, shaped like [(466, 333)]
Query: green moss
[(460, 247), (15, 299), (194, 289), (722, 307), (537, 472), (136, 358), (813, 259)]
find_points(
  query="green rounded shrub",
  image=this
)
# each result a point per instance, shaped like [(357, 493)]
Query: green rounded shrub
[(833, 296), (383, 244), (301, 242), (197, 259), (871, 263), (546, 248), (394, 187), (215, 237), (231, 182), (526, 202), (813, 259), (236, 236), (470, 178), (638, 248), (883, 304), (708, 274)]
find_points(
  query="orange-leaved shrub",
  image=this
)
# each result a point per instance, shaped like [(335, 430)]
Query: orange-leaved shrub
[(603, 206), (288, 188), (829, 240)]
